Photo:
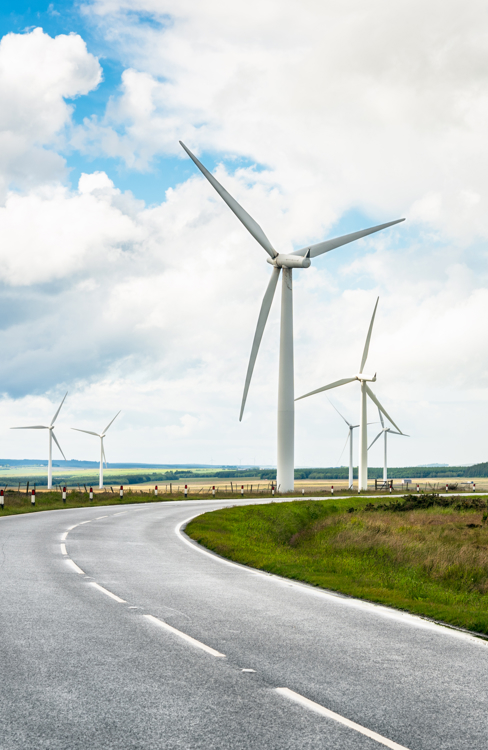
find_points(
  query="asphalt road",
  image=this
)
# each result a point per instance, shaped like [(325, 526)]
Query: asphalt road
[(82, 669)]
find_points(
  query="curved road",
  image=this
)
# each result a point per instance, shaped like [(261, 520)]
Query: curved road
[(118, 632)]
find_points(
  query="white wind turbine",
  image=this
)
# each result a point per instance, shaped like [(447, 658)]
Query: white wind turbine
[(52, 437), (363, 420), (297, 259), (384, 431), (351, 427), (102, 450)]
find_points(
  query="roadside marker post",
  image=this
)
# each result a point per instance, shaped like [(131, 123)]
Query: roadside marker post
[(272, 489), (156, 490), (186, 491), (213, 491), (474, 486), (64, 494), (33, 497), (418, 488), (121, 492), (242, 490), (332, 490), (303, 491), (91, 494), (2, 501), (447, 488)]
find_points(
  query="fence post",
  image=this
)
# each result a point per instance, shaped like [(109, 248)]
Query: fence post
[(33, 497), (121, 492), (64, 494)]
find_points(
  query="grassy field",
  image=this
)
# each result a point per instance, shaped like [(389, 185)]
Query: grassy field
[(431, 561)]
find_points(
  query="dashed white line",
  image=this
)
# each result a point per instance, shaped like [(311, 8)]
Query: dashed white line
[(108, 593), (297, 698), (120, 514), (63, 536), (75, 567), (99, 517), (184, 636), (63, 549)]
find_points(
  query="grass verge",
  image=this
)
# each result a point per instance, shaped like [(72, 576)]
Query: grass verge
[(428, 557), (20, 502)]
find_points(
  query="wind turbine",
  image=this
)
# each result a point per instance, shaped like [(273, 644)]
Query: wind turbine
[(52, 437), (384, 431), (102, 451), (351, 427), (363, 420), (297, 259)]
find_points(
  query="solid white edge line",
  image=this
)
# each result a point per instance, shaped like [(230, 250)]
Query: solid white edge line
[(108, 593), (348, 601), (75, 567), (63, 549), (297, 698), (184, 636)]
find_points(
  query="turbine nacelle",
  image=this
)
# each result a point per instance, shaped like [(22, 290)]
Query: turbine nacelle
[(289, 261), (367, 378)]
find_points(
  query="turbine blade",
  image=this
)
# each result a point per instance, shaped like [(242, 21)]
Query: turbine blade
[(263, 317), (344, 448), (392, 432), (34, 427), (55, 440), (251, 225), (368, 339), (375, 400), (381, 418), (376, 438), (325, 247), (341, 415), (113, 420), (59, 409), (336, 384), (88, 432)]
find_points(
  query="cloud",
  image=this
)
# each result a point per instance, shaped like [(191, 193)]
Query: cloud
[(37, 75)]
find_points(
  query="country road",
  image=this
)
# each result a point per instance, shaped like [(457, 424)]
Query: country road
[(119, 632)]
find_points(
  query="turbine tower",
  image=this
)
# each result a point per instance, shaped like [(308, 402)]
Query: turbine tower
[(363, 418), (297, 259), (52, 437), (384, 431), (351, 427), (102, 451)]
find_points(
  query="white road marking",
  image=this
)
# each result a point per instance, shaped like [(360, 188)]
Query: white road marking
[(248, 670), (63, 536), (99, 517), (75, 567), (287, 693), (184, 636), (63, 549), (108, 593), (82, 522), (120, 514)]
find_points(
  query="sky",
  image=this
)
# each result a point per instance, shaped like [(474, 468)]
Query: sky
[(126, 281)]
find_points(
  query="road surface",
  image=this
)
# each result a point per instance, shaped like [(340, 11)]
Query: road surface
[(119, 632)]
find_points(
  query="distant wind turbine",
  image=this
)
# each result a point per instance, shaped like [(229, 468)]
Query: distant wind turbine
[(384, 431), (349, 438), (297, 259), (52, 437), (363, 420), (102, 450)]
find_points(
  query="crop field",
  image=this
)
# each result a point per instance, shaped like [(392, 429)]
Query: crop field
[(424, 554)]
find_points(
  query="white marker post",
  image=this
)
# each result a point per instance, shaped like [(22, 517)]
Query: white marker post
[(242, 490), (332, 490), (186, 491), (213, 491), (64, 494), (91, 494), (121, 492), (474, 486), (33, 497), (303, 491), (447, 488), (156, 491), (2, 501), (272, 489), (418, 488)]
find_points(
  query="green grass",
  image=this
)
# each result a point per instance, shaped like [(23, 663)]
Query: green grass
[(20, 502), (431, 561)]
